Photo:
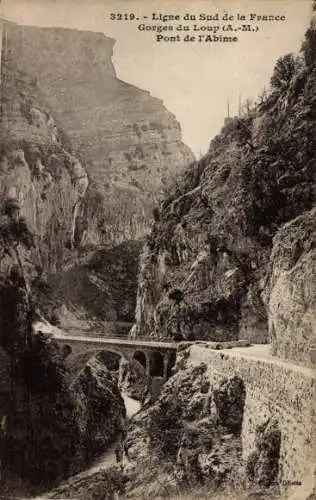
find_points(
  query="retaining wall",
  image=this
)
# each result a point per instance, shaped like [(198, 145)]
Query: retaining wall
[(273, 388)]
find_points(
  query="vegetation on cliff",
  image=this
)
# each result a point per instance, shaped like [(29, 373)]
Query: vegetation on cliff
[(205, 265)]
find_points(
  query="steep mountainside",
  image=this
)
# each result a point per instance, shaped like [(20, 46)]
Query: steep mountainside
[(60, 101), (130, 144), (207, 260), (37, 168)]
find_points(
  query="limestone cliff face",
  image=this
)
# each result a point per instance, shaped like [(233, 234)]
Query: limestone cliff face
[(130, 144), (291, 293), (36, 167), (204, 271)]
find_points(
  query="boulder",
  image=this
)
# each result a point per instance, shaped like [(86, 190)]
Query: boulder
[(100, 407)]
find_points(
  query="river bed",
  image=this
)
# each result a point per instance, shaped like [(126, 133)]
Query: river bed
[(107, 459)]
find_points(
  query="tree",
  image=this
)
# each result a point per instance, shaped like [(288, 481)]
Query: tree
[(283, 73), (309, 45), (14, 232)]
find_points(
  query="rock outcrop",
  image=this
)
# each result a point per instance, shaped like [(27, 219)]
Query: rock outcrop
[(205, 267), (100, 408), (192, 432), (133, 380), (129, 143), (291, 293)]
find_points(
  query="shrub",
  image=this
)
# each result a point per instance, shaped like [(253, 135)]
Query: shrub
[(283, 72)]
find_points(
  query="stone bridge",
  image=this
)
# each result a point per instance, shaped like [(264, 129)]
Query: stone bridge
[(157, 358)]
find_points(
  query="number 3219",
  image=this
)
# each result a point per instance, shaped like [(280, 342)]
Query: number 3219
[(122, 17)]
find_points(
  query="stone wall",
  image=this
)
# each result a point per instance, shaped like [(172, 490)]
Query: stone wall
[(273, 389)]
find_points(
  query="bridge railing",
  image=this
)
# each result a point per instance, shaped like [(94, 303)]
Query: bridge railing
[(106, 335)]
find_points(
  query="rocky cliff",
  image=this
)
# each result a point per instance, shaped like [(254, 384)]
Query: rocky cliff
[(36, 167), (49, 428), (99, 289), (291, 294), (215, 244), (129, 143)]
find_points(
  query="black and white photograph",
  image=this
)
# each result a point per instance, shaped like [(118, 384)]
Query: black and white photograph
[(158, 249)]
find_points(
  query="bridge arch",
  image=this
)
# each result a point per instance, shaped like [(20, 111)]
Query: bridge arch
[(156, 358), (156, 364), (79, 357), (110, 358), (140, 356)]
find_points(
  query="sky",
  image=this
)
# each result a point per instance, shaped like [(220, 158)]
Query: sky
[(194, 80)]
